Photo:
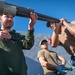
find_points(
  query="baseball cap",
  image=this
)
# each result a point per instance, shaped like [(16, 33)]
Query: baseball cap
[(42, 41), (48, 24)]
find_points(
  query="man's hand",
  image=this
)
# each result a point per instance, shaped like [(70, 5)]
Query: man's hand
[(60, 69), (63, 20), (4, 34), (33, 19)]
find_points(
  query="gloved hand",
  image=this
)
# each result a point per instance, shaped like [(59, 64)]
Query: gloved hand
[(73, 60), (67, 68), (60, 69)]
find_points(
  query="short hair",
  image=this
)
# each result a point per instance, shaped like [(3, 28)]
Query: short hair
[(6, 14), (48, 24)]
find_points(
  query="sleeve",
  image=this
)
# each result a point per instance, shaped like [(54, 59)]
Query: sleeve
[(40, 54), (28, 41)]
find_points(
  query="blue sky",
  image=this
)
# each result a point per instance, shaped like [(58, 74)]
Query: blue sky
[(54, 8)]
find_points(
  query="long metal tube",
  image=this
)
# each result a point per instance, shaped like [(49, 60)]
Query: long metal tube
[(23, 12)]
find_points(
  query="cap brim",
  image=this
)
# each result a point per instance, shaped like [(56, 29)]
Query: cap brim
[(42, 41)]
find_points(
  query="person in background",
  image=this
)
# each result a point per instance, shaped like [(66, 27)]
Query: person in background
[(49, 60), (12, 59)]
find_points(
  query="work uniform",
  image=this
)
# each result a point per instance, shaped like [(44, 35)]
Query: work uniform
[(12, 57)]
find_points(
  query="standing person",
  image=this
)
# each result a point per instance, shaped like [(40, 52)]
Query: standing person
[(64, 35), (49, 60), (12, 60)]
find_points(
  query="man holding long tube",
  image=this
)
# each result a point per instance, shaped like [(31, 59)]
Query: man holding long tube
[(64, 35), (12, 60)]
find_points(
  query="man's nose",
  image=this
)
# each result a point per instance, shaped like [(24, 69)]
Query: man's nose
[(9, 18)]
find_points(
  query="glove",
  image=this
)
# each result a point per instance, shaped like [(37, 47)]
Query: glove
[(67, 68), (60, 69), (73, 60)]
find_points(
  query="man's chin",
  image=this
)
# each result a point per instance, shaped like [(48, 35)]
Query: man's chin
[(8, 27)]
